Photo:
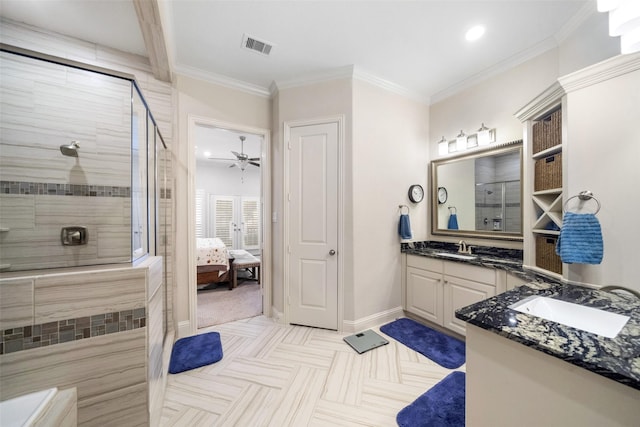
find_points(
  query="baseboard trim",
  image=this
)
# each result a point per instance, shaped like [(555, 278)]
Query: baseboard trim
[(184, 329), (372, 320), (277, 315)]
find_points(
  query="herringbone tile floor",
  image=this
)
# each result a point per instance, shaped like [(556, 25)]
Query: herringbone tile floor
[(275, 375)]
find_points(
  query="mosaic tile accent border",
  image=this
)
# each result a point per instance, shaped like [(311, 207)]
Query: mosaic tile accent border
[(46, 334), (51, 189)]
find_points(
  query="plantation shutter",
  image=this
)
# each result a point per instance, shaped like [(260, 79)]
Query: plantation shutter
[(200, 214), (224, 226), (250, 212)]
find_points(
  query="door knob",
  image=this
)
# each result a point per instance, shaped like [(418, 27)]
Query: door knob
[(332, 252)]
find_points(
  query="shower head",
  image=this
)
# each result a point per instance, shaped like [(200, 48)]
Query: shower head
[(70, 150)]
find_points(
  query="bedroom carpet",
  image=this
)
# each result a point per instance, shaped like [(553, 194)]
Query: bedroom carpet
[(220, 305)]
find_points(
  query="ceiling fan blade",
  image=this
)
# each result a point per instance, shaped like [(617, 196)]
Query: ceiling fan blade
[(220, 158), (254, 159), (236, 154), (233, 165), (254, 164)]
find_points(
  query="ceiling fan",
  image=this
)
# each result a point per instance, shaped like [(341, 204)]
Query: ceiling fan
[(242, 159)]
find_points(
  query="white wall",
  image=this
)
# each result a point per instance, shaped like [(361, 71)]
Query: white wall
[(390, 153), (207, 100), (602, 155)]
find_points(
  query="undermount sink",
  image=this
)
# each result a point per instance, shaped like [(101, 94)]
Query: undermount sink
[(456, 256), (577, 316)]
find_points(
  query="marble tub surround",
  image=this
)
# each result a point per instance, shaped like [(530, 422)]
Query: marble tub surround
[(99, 330), (52, 333), (614, 358)]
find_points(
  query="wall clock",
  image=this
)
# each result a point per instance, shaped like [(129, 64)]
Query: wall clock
[(442, 195), (416, 193)]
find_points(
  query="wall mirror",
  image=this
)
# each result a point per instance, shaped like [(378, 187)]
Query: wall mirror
[(479, 194)]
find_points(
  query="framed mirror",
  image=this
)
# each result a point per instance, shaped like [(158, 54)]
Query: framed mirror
[(483, 193)]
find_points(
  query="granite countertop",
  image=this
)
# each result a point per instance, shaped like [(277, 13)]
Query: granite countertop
[(483, 256), (615, 358)]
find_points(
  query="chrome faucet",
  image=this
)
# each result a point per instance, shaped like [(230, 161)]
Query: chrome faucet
[(463, 248)]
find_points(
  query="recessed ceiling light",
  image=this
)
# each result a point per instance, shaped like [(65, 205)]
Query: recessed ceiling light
[(474, 33)]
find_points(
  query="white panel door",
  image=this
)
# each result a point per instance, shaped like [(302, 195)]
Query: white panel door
[(313, 227)]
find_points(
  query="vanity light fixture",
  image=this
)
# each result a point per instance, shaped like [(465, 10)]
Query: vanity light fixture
[(485, 135), (624, 21), (443, 147), (461, 141)]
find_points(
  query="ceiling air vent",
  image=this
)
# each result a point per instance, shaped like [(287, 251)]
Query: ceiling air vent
[(255, 45)]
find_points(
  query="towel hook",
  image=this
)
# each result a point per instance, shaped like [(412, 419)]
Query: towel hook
[(452, 210), (584, 196), (403, 207)]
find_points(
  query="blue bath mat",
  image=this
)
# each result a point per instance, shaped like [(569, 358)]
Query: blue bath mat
[(446, 351), (441, 406), (195, 351)]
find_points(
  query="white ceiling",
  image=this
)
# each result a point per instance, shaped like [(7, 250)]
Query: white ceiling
[(414, 47)]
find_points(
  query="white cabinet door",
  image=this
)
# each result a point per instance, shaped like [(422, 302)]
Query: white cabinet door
[(424, 294), (460, 293)]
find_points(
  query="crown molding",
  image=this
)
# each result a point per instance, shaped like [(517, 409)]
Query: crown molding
[(345, 72), (388, 86), (542, 103), (501, 67), (601, 71), (349, 72), (585, 12), (222, 80)]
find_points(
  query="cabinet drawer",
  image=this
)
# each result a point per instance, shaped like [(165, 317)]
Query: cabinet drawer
[(424, 263), (470, 272)]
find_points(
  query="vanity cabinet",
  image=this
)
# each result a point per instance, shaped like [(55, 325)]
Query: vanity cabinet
[(465, 285), (435, 289), (425, 288)]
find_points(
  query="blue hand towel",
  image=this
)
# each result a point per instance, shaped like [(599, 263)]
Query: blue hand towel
[(404, 227), (453, 222), (580, 240)]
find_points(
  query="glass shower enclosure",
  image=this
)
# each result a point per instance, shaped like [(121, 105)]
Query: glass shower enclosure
[(82, 166)]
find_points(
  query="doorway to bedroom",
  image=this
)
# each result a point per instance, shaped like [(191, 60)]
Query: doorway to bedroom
[(228, 224)]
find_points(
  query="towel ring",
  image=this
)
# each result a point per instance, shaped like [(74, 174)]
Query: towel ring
[(403, 207), (583, 195), (452, 210)]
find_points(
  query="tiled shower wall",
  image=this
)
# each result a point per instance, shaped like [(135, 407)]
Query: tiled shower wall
[(159, 96), (43, 106), (498, 169)]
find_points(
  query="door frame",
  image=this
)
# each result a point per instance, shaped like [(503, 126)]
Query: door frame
[(286, 209), (265, 194)]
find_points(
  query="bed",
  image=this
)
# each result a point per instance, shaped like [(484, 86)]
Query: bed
[(212, 259)]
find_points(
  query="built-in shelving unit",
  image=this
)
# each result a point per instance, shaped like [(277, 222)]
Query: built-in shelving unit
[(543, 167)]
